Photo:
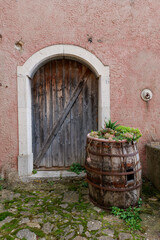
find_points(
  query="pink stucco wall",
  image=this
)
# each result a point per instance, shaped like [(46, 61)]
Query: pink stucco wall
[(126, 37)]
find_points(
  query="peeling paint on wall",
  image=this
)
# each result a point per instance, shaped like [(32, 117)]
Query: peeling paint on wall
[(19, 45)]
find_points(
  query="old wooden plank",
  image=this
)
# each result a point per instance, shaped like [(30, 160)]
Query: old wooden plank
[(67, 97), (60, 121), (41, 130), (78, 103), (54, 90), (56, 114), (73, 132), (43, 109), (70, 156), (60, 97), (47, 110), (94, 101), (34, 113), (47, 97), (67, 121), (37, 122), (44, 121), (60, 85), (51, 97), (63, 83)]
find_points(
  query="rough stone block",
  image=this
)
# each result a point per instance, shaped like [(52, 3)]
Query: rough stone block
[(153, 163)]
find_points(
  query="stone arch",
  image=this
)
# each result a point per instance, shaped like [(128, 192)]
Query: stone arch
[(24, 76)]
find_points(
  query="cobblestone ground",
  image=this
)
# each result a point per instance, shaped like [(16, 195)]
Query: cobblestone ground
[(61, 210)]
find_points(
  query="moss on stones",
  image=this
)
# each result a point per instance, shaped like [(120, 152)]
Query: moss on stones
[(45, 201)]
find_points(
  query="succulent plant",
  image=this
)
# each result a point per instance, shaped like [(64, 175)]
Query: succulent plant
[(111, 125), (113, 131)]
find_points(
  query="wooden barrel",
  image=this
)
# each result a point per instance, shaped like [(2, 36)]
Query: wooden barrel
[(113, 172)]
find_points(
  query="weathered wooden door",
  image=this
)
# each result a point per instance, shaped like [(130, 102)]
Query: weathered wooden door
[(64, 110)]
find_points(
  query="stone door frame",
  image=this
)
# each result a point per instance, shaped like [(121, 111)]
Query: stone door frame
[(24, 76)]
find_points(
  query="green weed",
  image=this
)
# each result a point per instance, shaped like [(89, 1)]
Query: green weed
[(77, 168), (84, 184), (131, 216), (34, 171), (51, 183)]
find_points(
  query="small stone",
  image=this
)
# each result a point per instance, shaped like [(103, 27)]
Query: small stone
[(71, 197), (80, 238), (109, 232), (87, 234), (105, 238), (125, 236), (34, 225), (52, 238), (24, 220), (25, 213), (67, 229), (153, 199), (70, 235), (12, 210), (97, 209), (6, 220), (30, 204), (17, 195), (27, 234), (7, 195), (65, 221), (113, 219), (47, 228), (37, 220), (64, 205), (94, 225), (81, 229)]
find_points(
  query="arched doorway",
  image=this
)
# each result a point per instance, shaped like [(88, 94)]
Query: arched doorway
[(64, 110), (25, 75)]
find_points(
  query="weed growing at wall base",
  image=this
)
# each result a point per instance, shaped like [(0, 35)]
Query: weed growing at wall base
[(34, 171), (77, 168), (131, 216)]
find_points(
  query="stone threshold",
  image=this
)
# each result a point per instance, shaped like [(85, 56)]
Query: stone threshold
[(55, 175)]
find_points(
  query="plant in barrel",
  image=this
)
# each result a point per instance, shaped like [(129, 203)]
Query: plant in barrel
[(113, 166)]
